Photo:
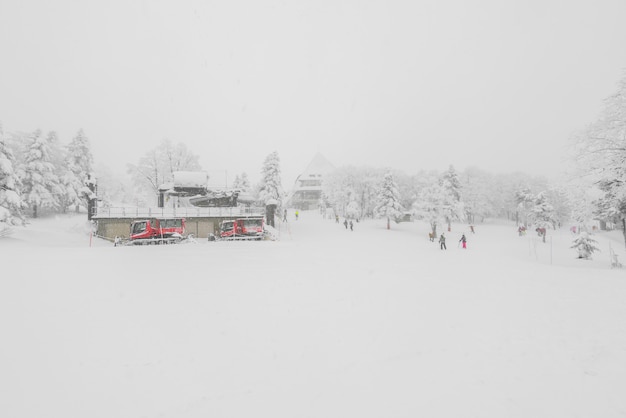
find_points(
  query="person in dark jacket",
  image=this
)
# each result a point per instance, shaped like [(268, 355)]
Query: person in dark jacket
[(464, 241), (442, 242)]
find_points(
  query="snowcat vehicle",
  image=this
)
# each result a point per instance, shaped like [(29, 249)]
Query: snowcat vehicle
[(157, 231), (242, 229)]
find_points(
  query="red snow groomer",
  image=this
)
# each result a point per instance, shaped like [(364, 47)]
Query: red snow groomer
[(242, 229), (157, 231)]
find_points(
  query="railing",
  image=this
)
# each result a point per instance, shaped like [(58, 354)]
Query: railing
[(190, 212)]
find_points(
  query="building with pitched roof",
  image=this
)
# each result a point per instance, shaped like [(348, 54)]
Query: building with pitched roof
[(307, 189)]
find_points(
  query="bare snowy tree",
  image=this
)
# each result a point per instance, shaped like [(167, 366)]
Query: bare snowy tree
[(348, 184), (600, 153), (241, 182), (429, 206), (158, 166)]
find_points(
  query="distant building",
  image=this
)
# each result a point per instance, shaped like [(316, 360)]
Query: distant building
[(307, 189)]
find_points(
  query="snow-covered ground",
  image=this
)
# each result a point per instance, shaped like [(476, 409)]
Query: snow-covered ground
[(323, 323)]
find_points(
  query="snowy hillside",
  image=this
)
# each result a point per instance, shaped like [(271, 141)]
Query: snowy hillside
[(326, 322)]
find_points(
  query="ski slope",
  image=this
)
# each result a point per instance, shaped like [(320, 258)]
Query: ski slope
[(326, 322)]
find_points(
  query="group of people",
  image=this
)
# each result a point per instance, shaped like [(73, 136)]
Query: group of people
[(442, 241), (346, 223), (297, 214)]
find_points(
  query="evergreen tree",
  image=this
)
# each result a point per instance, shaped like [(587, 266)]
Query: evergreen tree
[(451, 183), (559, 199), (11, 203), (236, 182), (245, 183), (585, 245), (452, 207), (525, 201), (59, 159), (41, 185), (388, 199), (542, 213), (271, 184), (80, 166)]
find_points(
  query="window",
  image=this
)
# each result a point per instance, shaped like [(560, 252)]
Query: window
[(253, 222), (139, 227)]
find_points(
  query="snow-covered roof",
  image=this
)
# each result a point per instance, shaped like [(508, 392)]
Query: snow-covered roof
[(317, 167)]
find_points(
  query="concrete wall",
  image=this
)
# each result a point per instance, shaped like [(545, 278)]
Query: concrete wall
[(110, 228), (200, 227)]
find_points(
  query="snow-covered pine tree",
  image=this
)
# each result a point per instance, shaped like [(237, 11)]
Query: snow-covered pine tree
[(80, 165), (542, 213), (388, 205), (11, 203), (40, 183), (236, 182), (450, 182), (585, 245), (452, 204), (58, 157), (245, 182), (525, 202), (271, 184)]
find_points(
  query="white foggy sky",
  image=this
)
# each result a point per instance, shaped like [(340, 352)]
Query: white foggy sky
[(410, 84)]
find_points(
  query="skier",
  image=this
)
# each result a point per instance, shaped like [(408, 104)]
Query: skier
[(351, 226), (345, 223), (336, 219), (297, 214), (442, 242), (285, 216), (464, 241)]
